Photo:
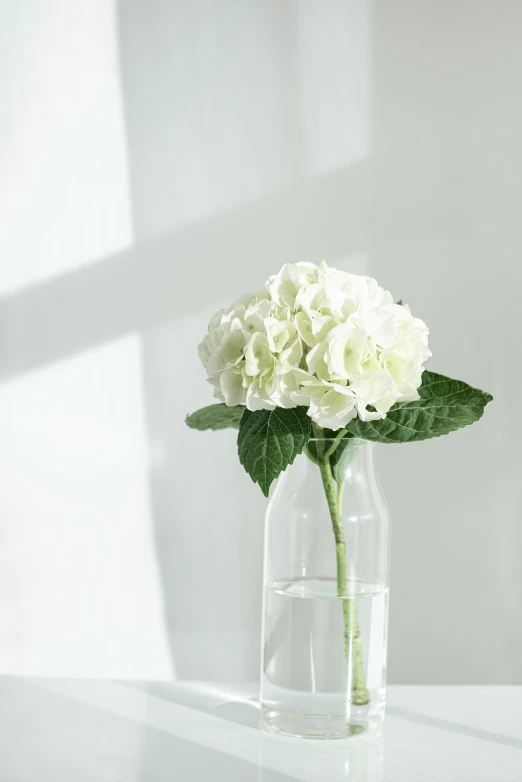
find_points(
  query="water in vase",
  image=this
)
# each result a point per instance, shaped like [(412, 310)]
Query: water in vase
[(318, 681)]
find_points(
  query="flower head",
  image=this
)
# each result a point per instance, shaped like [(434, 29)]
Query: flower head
[(320, 337)]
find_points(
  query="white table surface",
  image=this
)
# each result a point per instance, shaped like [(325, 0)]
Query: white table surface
[(57, 730)]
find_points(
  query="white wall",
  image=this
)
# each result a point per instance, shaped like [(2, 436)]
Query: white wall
[(161, 158)]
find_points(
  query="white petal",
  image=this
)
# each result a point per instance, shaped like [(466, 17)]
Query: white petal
[(231, 384)]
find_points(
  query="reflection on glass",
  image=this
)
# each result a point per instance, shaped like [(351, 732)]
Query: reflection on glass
[(360, 760)]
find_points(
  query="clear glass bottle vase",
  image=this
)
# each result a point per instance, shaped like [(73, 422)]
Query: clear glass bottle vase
[(325, 606)]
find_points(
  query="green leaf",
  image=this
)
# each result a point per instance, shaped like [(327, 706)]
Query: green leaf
[(269, 440), (216, 417), (444, 406)]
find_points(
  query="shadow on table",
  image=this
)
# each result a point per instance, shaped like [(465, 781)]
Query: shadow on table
[(454, 727), (229, 702)]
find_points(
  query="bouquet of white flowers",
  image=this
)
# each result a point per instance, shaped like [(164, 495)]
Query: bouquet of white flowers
[(318, 349)]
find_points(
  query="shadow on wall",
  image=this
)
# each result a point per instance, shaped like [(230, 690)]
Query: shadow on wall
[(183, 271), (228, 156)]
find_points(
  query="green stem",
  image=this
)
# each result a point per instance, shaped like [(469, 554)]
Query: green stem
[(351, 632), (340, 492), (329, 451)]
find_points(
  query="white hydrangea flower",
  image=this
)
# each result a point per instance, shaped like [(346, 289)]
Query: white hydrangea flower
[(284, 286), (332, 405), (319, 337)]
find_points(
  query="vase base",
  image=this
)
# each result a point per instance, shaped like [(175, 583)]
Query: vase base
[(316, 726)]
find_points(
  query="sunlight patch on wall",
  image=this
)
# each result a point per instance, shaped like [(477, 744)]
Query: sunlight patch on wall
[(64, 199), (79, 586)]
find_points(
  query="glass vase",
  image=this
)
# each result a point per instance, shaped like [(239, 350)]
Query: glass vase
[(325, 604)]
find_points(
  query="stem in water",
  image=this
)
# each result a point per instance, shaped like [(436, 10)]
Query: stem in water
[(352, 635)]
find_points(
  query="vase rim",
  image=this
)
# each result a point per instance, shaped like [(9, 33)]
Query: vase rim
[(329, 440)]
